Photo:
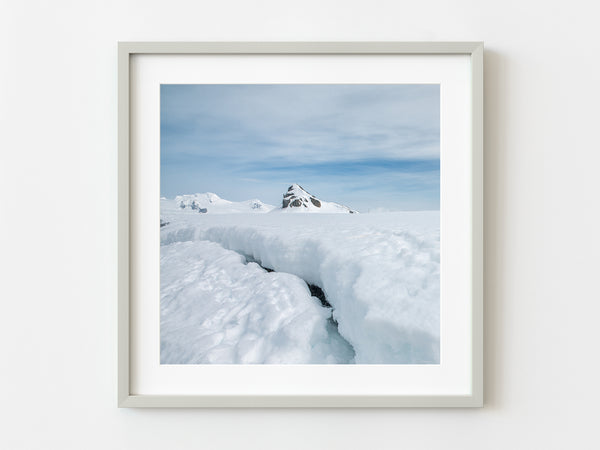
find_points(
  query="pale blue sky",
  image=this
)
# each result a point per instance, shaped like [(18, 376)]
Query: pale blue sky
[(365, 146)]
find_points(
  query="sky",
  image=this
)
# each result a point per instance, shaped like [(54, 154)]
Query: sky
[(372, 147)]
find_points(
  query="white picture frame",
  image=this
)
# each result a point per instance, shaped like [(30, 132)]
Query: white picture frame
[(471, 394)]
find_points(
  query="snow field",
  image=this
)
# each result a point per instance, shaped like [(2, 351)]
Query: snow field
[(215, 308), (380, 272)]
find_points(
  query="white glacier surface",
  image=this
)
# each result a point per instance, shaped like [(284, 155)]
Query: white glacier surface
[(380, 273), (216, 308)]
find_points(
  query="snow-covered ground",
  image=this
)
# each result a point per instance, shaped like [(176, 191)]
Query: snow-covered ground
[(216, 308), (380, 273)]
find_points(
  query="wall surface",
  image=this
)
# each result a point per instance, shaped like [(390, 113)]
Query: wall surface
[(58, 104)]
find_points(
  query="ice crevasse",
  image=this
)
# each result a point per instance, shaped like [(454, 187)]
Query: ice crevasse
[(380, 272)]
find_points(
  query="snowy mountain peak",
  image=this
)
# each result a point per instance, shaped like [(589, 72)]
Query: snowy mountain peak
[(297, 199)]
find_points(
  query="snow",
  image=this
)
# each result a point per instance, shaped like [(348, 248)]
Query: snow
[(297, 200), (216, 308), (209, 202), (380, 272)]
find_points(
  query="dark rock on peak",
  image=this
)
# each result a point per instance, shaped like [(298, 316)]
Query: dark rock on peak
[(297, 197)]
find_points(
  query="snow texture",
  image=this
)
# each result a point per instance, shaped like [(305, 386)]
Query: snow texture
[(215, 308), (380, 273)]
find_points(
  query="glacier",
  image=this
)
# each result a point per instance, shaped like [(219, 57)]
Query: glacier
[(216, 308), (380, 273)]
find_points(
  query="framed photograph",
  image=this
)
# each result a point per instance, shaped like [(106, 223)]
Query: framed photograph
[(300, 224)]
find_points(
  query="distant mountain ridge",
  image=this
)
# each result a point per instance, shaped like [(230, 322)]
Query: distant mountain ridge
[(295, 200), (209, 202)]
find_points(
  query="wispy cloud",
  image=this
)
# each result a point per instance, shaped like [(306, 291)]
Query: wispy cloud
[(249, 140)]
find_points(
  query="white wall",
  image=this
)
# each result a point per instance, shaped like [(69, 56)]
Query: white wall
[(58, 174)]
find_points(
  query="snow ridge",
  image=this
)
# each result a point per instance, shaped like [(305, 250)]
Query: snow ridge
[(215, 308), (380, 272)]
